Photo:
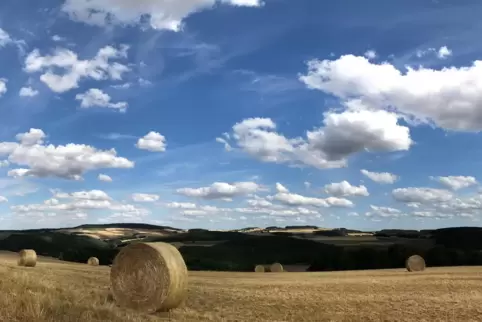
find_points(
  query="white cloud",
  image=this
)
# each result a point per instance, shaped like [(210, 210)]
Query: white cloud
[(328, 147), (32, 137), (227, 146), (69, 161), (344, 188), (370, 54), (449, 97), (258, 202), (280, 188), (82, 195), (104, 177), (380, 177), (122, 86), (160, 14), (94, 97), (3, 199), (77, 205), (292, 199), (421, 195), (152, 141), (3, 86), (444, 52), (17, 173), (97, 68), (57, 38), (4, 163), (181, 205), (221, 190), (144, 197), (5, 38), (456, 182), (28, 92), (383, 212)]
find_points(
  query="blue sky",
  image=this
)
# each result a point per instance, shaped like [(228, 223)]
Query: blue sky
[(234, 113)]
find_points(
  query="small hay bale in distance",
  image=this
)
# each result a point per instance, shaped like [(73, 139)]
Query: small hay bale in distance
[(415, 263), (93, 261), (150, 277), (276, 268), (259, 269), (27, 258)]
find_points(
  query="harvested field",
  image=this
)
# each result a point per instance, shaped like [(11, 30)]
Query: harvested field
[(58, 291)]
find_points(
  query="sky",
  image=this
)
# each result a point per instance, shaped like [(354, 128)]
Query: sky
[(224, 114)]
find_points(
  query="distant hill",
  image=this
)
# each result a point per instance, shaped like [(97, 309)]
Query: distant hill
[(126, 225)]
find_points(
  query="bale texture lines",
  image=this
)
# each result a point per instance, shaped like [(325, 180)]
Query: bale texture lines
[(150, 277), (415, 263), (93, 261), (27, 258), (276, 268)]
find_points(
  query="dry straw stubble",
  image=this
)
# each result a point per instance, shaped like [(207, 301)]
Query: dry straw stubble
[(276, 268), (93, 261), (151, 277), (415, 263), (27, 258)]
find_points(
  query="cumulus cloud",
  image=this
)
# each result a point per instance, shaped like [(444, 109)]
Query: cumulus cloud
[(380, 177), (3, 199), (444, 52), (78, 204), (57, 38), (456, 182), (94, 97), (370, 54), (441, 53), (292, 199), (421, 195), (221, 190), (281, 188), (181, 205), (449, 97), (4, 38), (4, 163), (385, 212), (82, 195), (344, 188), (342, 135), (152, 141), (98, 68), (69, 161), (32, 137), (160, 14), (28, 92), (144, 197), (104, 177), (3, 86)]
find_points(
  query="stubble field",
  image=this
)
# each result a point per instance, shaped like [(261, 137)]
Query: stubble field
[(59, 291)]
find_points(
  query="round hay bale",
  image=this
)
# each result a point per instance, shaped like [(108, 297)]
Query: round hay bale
[(151, 277), (259, 269), (27, 258), (94, 261), (415, 263), (276, 268)]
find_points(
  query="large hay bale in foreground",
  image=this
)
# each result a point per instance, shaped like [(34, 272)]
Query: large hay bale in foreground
[(415, 263), (151, 277), (276, 268), (259, 269), (94, 261), (27, 258)]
